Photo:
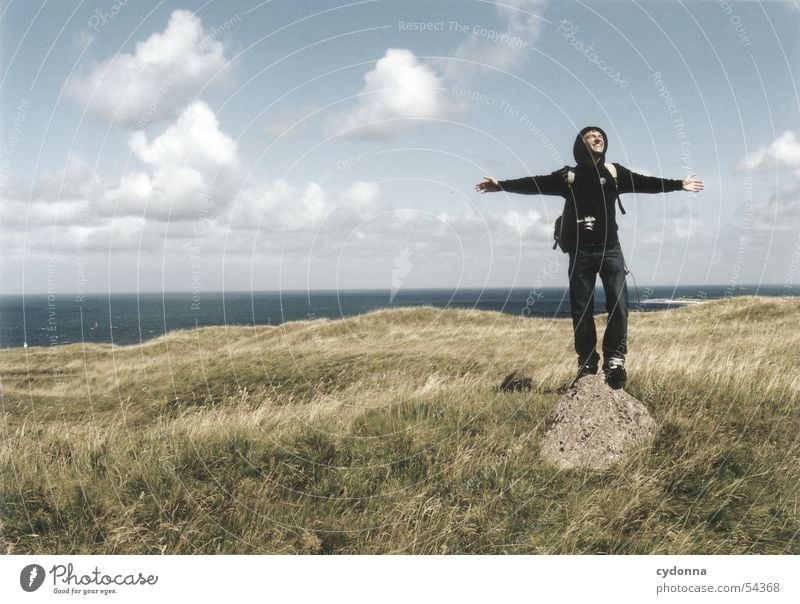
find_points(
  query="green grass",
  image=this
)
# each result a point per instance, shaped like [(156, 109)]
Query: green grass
[(386, 433)]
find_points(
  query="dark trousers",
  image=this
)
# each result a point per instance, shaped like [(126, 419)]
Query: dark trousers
[(584, 266)]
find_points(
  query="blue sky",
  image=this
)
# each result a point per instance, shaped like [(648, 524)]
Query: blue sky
[(290, 145)]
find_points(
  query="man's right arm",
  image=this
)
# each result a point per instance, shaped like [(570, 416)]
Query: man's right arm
[(549, 184)]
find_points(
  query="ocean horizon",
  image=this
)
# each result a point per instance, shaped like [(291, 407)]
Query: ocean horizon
[(131, 318)]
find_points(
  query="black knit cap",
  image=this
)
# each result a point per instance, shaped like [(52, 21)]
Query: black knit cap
[(582, 154)]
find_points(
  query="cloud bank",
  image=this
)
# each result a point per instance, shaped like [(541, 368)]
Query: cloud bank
[(165, 71)]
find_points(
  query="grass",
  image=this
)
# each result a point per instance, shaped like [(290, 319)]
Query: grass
[(385, 433)]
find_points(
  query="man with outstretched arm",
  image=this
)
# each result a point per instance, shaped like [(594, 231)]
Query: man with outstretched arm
[(588, 233)]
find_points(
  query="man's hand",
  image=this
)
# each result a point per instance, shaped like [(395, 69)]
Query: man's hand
[(691, 184), (487, 185)]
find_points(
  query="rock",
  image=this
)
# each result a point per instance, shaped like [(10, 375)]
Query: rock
[(515, 382), (594, 426)]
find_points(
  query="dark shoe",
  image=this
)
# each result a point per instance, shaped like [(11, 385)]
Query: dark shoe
[(585, 370), (616, 376), (588, 368)]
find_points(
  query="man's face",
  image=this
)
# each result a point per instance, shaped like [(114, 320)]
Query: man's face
[(594, 141)]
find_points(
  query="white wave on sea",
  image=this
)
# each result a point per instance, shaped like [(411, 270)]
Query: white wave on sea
[(674, 301)]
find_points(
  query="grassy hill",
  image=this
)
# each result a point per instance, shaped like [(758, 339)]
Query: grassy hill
[(386, 433)]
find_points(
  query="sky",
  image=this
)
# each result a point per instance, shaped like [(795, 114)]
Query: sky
[(293, 145)]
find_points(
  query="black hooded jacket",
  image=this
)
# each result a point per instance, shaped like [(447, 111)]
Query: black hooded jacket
[(593, 192)]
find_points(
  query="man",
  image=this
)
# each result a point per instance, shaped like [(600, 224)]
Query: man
[(589, 235)]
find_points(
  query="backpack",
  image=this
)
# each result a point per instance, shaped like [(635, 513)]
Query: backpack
[(565, 237)]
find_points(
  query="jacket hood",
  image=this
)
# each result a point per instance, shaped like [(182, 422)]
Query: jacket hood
[(582, 154)]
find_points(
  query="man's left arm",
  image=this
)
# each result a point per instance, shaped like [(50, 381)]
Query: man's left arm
[(631, 182)]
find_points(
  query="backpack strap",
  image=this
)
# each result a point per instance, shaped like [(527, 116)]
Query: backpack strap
[(612, 169)]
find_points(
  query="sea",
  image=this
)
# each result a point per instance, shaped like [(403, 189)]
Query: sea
[(131, 318)]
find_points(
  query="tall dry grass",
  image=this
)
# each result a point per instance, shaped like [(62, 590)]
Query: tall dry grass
[(386, 433)]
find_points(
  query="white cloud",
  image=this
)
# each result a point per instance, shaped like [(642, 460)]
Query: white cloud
[(119, 233), (258, 206), (164, 72), (309, 209), (194, 139), (16, 213), (521, 221), (193, 171), (774, 219), (784, 150), (779, 214), (361, 200), (280, 208), (399, 88), (53, 198), (503, 49), (75, 181)]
